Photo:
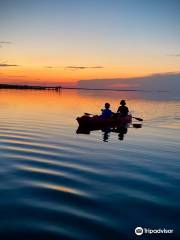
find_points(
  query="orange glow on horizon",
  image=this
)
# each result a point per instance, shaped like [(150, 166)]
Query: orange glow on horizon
[(38, 75)]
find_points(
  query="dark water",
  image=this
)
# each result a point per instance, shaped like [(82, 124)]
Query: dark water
[(56, 184)]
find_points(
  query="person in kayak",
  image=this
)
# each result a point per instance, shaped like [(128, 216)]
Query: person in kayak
[(106, 113), (122, 109)]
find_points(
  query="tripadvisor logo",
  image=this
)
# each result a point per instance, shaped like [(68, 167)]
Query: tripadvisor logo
[(139, 231)]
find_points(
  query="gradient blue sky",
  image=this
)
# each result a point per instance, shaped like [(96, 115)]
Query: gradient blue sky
[(123, 37)]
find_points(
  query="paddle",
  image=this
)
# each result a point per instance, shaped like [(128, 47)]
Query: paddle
[(138, 119), (88, 114)]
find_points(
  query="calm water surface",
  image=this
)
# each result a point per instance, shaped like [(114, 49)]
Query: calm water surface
[(56, 184)]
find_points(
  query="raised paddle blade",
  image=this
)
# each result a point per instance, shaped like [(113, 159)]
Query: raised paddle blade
[(137, 125), (139, 119), (88, 114)]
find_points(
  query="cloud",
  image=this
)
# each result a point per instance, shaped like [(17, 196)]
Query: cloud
[(49, 67), (97, 67), (81, 67), (169, 81), (4, 43), (174, 55), (74, 67), (8, 65)]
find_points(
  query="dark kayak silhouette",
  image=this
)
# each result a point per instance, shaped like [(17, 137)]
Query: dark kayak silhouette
[(97, 121)]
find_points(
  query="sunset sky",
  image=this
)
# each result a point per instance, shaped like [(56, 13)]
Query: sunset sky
[(68, 40)]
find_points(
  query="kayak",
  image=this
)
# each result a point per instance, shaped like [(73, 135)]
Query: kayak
[(97, 121)]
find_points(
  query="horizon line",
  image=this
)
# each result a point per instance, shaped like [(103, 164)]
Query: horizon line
[(39, 87)]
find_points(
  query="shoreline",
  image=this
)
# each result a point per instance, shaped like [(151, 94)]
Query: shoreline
[(58, 88)]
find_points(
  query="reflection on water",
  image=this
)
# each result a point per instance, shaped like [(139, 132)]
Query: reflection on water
[(56, 184), (120, 130)]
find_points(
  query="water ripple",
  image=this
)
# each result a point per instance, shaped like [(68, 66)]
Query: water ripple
[(59, 185)]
